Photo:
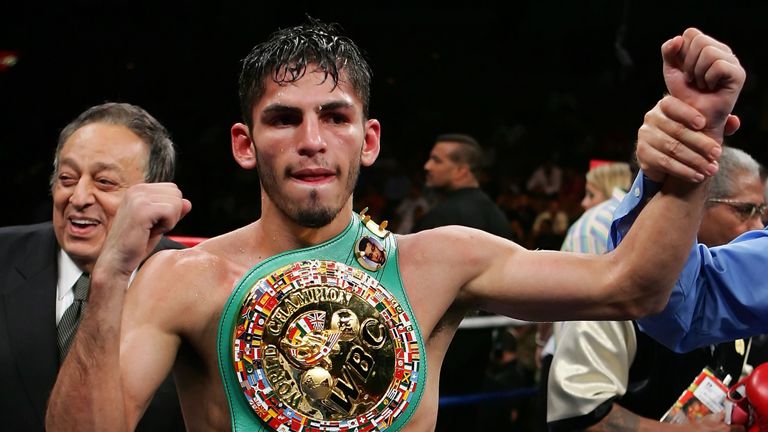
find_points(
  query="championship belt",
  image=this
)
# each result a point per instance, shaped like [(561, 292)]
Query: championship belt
[(323, 339)]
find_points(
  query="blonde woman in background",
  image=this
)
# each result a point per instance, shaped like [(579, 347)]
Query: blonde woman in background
[(602, 180)]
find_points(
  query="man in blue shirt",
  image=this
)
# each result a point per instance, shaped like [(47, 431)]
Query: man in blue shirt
[(722, 293)]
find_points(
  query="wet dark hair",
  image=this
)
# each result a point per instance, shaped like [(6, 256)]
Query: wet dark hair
[(284, 59)]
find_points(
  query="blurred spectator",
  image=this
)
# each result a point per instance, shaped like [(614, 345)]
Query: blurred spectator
[(546, 179), (606, 186), (504, 372), (602, 180), (452, 170), (518, 207), (556, 218)]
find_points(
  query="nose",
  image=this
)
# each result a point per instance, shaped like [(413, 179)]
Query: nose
[(311, 140), (585, 202), (428, 165), (82, 194)]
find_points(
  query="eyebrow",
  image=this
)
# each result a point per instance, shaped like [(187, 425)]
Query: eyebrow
[(335, 105), (279, 109), (100, 166), (285, 109)]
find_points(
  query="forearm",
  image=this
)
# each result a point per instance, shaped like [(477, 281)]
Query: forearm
[(620, 419), (647, 263), (88, 392)]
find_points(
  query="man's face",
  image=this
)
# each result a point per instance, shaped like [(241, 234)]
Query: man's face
[(440, 169), (723, 222), (374, 254), (96, 166), (308, 138)]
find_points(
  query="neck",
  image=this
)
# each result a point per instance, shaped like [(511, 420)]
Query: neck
[(83, 266), (283, 233), (469, 182)]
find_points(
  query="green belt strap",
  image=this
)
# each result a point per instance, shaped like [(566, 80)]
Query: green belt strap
[(342, 249)]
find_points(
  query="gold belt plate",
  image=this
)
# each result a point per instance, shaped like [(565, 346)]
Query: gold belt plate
[(320, 345)]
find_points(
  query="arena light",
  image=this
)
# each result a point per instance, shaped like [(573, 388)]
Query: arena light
[(8, 59)]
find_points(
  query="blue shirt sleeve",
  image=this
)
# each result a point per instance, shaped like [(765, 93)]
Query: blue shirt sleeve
[(721, 295), (642, 190), (722, 292)]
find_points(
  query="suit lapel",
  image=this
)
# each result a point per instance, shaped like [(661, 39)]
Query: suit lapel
[(30, 310)]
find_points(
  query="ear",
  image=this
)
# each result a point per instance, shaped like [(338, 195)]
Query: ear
[(242, 146), (372, 143), (462, 171)]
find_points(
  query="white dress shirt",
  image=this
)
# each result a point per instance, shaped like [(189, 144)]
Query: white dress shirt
[(69, 273)]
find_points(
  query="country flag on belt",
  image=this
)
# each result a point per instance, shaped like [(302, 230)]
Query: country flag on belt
[(297, 424), (265, 286), (384, 420), (313, 321), (263, 385)]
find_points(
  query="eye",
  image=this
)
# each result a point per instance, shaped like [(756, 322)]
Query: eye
[(337, 118), (745, 210), (284, 119), (106, 183), (66, 180)]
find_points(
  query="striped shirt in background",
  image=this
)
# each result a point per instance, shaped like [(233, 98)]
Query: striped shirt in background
[(589, 234)]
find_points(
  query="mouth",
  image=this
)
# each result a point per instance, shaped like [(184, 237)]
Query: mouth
[(82, 225), (313, 176)]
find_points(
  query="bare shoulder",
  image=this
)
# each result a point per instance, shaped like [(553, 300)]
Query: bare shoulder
[(438, 264), (208, 262), (177, 267), (191, 282), (450, 244)]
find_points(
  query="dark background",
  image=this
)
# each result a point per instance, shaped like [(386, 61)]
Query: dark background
[(530, 79)]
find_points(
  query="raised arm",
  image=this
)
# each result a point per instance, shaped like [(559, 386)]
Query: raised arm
[(705, 74), (636, 278), (682, 135), (92, 392)]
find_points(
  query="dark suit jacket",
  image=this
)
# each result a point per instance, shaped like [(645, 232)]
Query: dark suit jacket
[(28, 351)]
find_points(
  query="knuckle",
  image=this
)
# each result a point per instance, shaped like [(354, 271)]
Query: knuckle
[(641, 154), (643, 131), (647, 117), (677, 130), (674, 148), (665, 102), (710, 51), (666, 162)]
